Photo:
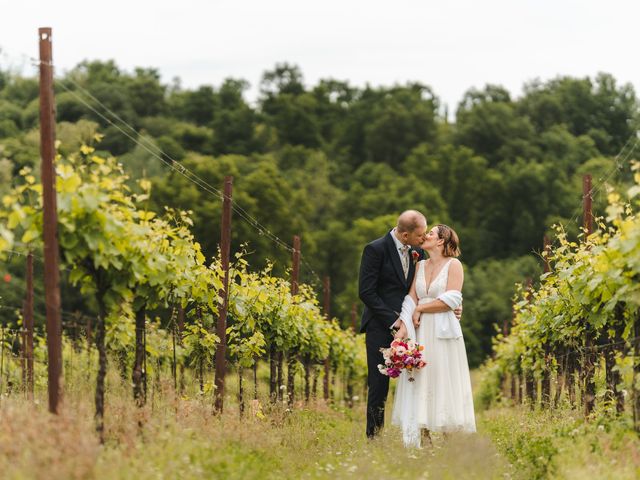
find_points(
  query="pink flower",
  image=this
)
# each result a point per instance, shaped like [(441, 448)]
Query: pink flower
[(393, 372), (401, 355)]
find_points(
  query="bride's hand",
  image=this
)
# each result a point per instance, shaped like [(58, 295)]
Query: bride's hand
[(416, 318), (458, 312), (401, 334)]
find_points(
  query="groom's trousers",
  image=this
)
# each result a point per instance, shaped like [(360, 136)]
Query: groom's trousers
[(377, 383)]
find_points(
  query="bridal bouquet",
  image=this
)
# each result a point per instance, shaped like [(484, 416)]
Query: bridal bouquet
[(402, 355)]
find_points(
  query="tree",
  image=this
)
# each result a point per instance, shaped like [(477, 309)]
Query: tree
[(284, 79), (488, 123), (598, 108), (146, 93), (385, 124), (234, 122), (195, 106), (258, 190)]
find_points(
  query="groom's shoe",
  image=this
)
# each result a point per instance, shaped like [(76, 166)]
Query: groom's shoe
[(426, 438)]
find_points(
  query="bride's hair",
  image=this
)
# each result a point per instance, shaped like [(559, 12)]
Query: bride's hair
[(451, 242)]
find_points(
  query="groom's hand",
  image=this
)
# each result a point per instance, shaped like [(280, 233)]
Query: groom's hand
[(458, 312), (401, 333)]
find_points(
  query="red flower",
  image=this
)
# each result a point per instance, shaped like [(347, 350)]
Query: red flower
[(415, 256), (7, 277)]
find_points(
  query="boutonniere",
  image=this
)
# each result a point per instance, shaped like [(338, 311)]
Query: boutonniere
[(415, 256)]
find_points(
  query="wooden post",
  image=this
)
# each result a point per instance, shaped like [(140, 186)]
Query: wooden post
[(545, 385), (2, 359), (225, 252), (295, 274), (51, 273), (327, 314), (28, 325), (546, 376), (635, 397), (588, 367)]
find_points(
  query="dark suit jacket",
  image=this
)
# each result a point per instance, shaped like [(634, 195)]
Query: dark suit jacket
[(382, 286)]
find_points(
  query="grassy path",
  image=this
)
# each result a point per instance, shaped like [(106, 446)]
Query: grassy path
[(313, 443), (180, 439)]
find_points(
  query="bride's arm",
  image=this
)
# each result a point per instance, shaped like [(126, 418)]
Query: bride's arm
[(454, 282)]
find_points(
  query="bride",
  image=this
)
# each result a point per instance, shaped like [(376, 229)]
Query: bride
[(439, 399)]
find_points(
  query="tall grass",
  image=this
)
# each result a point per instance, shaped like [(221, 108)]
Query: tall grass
[(176, 436)]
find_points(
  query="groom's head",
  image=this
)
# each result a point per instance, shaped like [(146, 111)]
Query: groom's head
[(411, 228)]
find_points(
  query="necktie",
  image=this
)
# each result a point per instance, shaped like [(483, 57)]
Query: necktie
[(404, 255)]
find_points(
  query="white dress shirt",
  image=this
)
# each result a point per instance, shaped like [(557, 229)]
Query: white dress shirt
[(399, 246)]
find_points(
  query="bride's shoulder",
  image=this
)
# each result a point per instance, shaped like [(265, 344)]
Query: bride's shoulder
[(455, 263)]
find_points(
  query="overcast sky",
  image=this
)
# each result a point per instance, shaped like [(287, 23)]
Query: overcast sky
[(450, 45)]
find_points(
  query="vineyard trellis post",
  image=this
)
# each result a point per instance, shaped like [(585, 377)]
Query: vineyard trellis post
[(529, 379), (51, 273), (2, 359), (295, 275), (327, 313), (225, 252), (588, 367), (636, 372), (546, 397)]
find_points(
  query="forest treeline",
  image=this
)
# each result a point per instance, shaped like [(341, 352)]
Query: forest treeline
[(336, 163)]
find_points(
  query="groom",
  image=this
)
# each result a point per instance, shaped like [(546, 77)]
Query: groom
[(387, 268)]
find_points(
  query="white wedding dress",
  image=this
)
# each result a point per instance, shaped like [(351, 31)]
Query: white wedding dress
[(440, 396)]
